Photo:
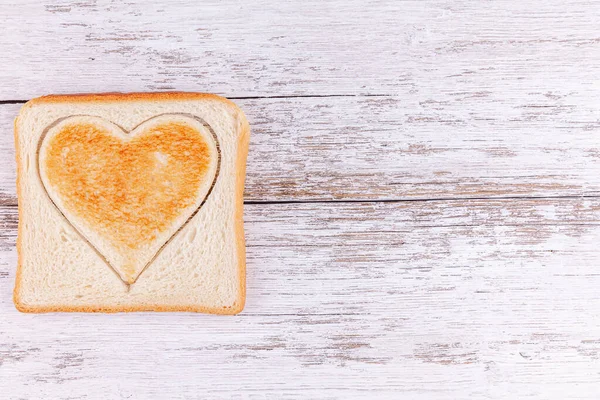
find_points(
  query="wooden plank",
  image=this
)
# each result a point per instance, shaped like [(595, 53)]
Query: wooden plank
[(461, 299), (367, 257), (434, 52), (86, 357), (389, 148), (246, 49)]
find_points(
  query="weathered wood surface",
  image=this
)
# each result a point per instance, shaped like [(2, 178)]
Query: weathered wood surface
[(441, 51), (482, 115), (462, 299), (389, 148)]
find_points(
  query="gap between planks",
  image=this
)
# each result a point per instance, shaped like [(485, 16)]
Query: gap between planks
[(305, 96), (417, 200)]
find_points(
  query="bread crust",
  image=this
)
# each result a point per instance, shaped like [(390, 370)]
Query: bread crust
[(243, 144)]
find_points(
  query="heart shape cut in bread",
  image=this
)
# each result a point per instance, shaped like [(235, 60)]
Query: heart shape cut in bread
[(128, 193)]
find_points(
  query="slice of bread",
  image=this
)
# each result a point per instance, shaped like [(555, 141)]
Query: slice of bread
[(131, 202)]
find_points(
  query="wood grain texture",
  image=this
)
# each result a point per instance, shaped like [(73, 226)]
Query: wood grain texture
[(461, 299), (388, 148), (241, 48), (440, 51)]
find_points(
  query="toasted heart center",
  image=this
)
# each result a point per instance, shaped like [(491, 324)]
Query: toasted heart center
[(130, 190)]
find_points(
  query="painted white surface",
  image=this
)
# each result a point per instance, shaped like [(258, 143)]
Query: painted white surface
[(457, 299), (377, 148), (484, 285)]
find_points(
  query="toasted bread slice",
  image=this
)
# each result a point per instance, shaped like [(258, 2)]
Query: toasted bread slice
[(131, 202)]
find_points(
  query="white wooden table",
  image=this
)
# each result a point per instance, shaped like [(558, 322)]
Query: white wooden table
[(422, 203)]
